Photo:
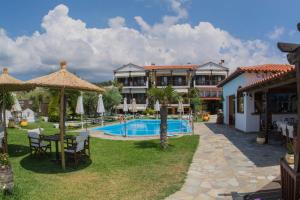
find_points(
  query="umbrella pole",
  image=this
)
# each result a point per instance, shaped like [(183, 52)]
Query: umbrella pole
[(81, 121), (62, 128), (4, 122)]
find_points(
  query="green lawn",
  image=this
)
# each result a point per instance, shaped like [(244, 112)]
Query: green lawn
[(118, 170)]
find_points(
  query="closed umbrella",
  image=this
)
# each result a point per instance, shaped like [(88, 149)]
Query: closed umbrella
[(157, 107), (61, 80), (100, 107), (125, 110), (133, 106), (80, 109), (180, 110), (16, 107)]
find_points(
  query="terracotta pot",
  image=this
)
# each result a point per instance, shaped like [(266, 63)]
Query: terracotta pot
[(205, 118), (290, 159), (6, 178), (260, 140)]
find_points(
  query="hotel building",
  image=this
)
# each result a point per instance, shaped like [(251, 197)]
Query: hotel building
[(136, 81)]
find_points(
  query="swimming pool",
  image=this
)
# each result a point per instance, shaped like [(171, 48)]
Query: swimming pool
[(145, 127)]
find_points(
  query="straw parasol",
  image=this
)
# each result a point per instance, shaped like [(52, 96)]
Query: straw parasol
[(9, 84), (63, 79)]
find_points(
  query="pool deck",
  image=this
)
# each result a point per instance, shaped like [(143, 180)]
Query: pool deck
[(102, 135), (229, 163)]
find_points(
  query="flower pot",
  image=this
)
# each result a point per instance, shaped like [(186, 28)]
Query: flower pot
[(260, 140), (6, 179), (289, 158)]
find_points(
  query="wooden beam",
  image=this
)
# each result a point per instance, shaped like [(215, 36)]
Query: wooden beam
[(5, 149), (267, 116), (62, 127), (297, 139)]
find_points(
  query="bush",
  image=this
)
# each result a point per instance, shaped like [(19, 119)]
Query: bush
[(149, 111)]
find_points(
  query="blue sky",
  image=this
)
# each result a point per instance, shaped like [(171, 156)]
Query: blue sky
[(253, 19), (255, 24)]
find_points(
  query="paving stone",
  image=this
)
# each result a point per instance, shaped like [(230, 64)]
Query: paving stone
[(228, 161)]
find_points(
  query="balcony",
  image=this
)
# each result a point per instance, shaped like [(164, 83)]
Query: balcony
[(140, 82), (174, 83), (206, 82), (211, 94)]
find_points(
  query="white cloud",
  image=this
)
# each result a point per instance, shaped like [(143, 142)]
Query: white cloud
[(94, 52), (276, 33), (116, 22)]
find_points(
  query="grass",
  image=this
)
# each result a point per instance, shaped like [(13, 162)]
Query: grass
[(118, 170)]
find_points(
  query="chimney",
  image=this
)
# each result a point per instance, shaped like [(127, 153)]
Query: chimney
[(153, 64), (222, 62), (188, 63)]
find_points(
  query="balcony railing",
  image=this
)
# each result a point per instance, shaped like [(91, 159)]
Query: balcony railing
[(210, 94), (172, 83), (207, 82)]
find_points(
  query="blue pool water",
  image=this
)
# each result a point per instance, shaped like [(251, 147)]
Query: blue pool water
[(145, 127)]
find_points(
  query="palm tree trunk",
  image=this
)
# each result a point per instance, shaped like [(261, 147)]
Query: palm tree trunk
[(163, 126)]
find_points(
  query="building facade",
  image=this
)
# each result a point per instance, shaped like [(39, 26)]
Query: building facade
[(137, 80), (239, 108)]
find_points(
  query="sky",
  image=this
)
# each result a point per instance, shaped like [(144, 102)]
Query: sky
[(96, 37)]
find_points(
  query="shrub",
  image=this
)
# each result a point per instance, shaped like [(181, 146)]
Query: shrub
[(149, 111)]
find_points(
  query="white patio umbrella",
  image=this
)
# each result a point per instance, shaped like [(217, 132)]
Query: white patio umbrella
[(80, 109), (157, 107), (180, 107), (133, 106), (16, 108), (180, 110), (125, 110), (100, 108)]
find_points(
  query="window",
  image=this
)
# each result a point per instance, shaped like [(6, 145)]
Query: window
[(240, 102)]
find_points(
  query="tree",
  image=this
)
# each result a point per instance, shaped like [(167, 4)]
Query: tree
[(195, 101), (111, 99), (8, 101), (165, 96), (37, 96), (90, 100)]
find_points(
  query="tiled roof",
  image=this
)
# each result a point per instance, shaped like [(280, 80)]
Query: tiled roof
[(274, 77), (257, 68), (157, 67)]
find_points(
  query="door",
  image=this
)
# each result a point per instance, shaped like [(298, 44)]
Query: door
[(232, 110)]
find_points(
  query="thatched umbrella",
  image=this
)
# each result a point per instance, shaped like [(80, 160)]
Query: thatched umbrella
[(63, 79), (9, 84)]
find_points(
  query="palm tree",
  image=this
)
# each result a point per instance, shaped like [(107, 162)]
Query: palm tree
[(165, 96)]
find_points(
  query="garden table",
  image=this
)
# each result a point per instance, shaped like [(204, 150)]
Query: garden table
[(56, 138)]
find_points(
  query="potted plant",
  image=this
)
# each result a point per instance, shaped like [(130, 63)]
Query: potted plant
[(24, 123), (6, 174), (260, 139), (220, 117), (289, 157)]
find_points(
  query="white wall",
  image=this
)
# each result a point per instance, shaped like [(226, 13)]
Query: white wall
[(246, 121)]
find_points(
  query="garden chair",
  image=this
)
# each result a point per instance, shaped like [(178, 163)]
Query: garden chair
[(86, 137), (37, 145), (76, 151)]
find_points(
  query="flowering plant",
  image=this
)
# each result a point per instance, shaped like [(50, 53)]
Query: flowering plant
[(4, 162)]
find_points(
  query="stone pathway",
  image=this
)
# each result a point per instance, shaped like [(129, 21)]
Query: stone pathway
[(228, 161)]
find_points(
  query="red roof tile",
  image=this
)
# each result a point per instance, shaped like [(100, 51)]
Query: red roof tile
[(273, 77), (156, 67), (257, 68)]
